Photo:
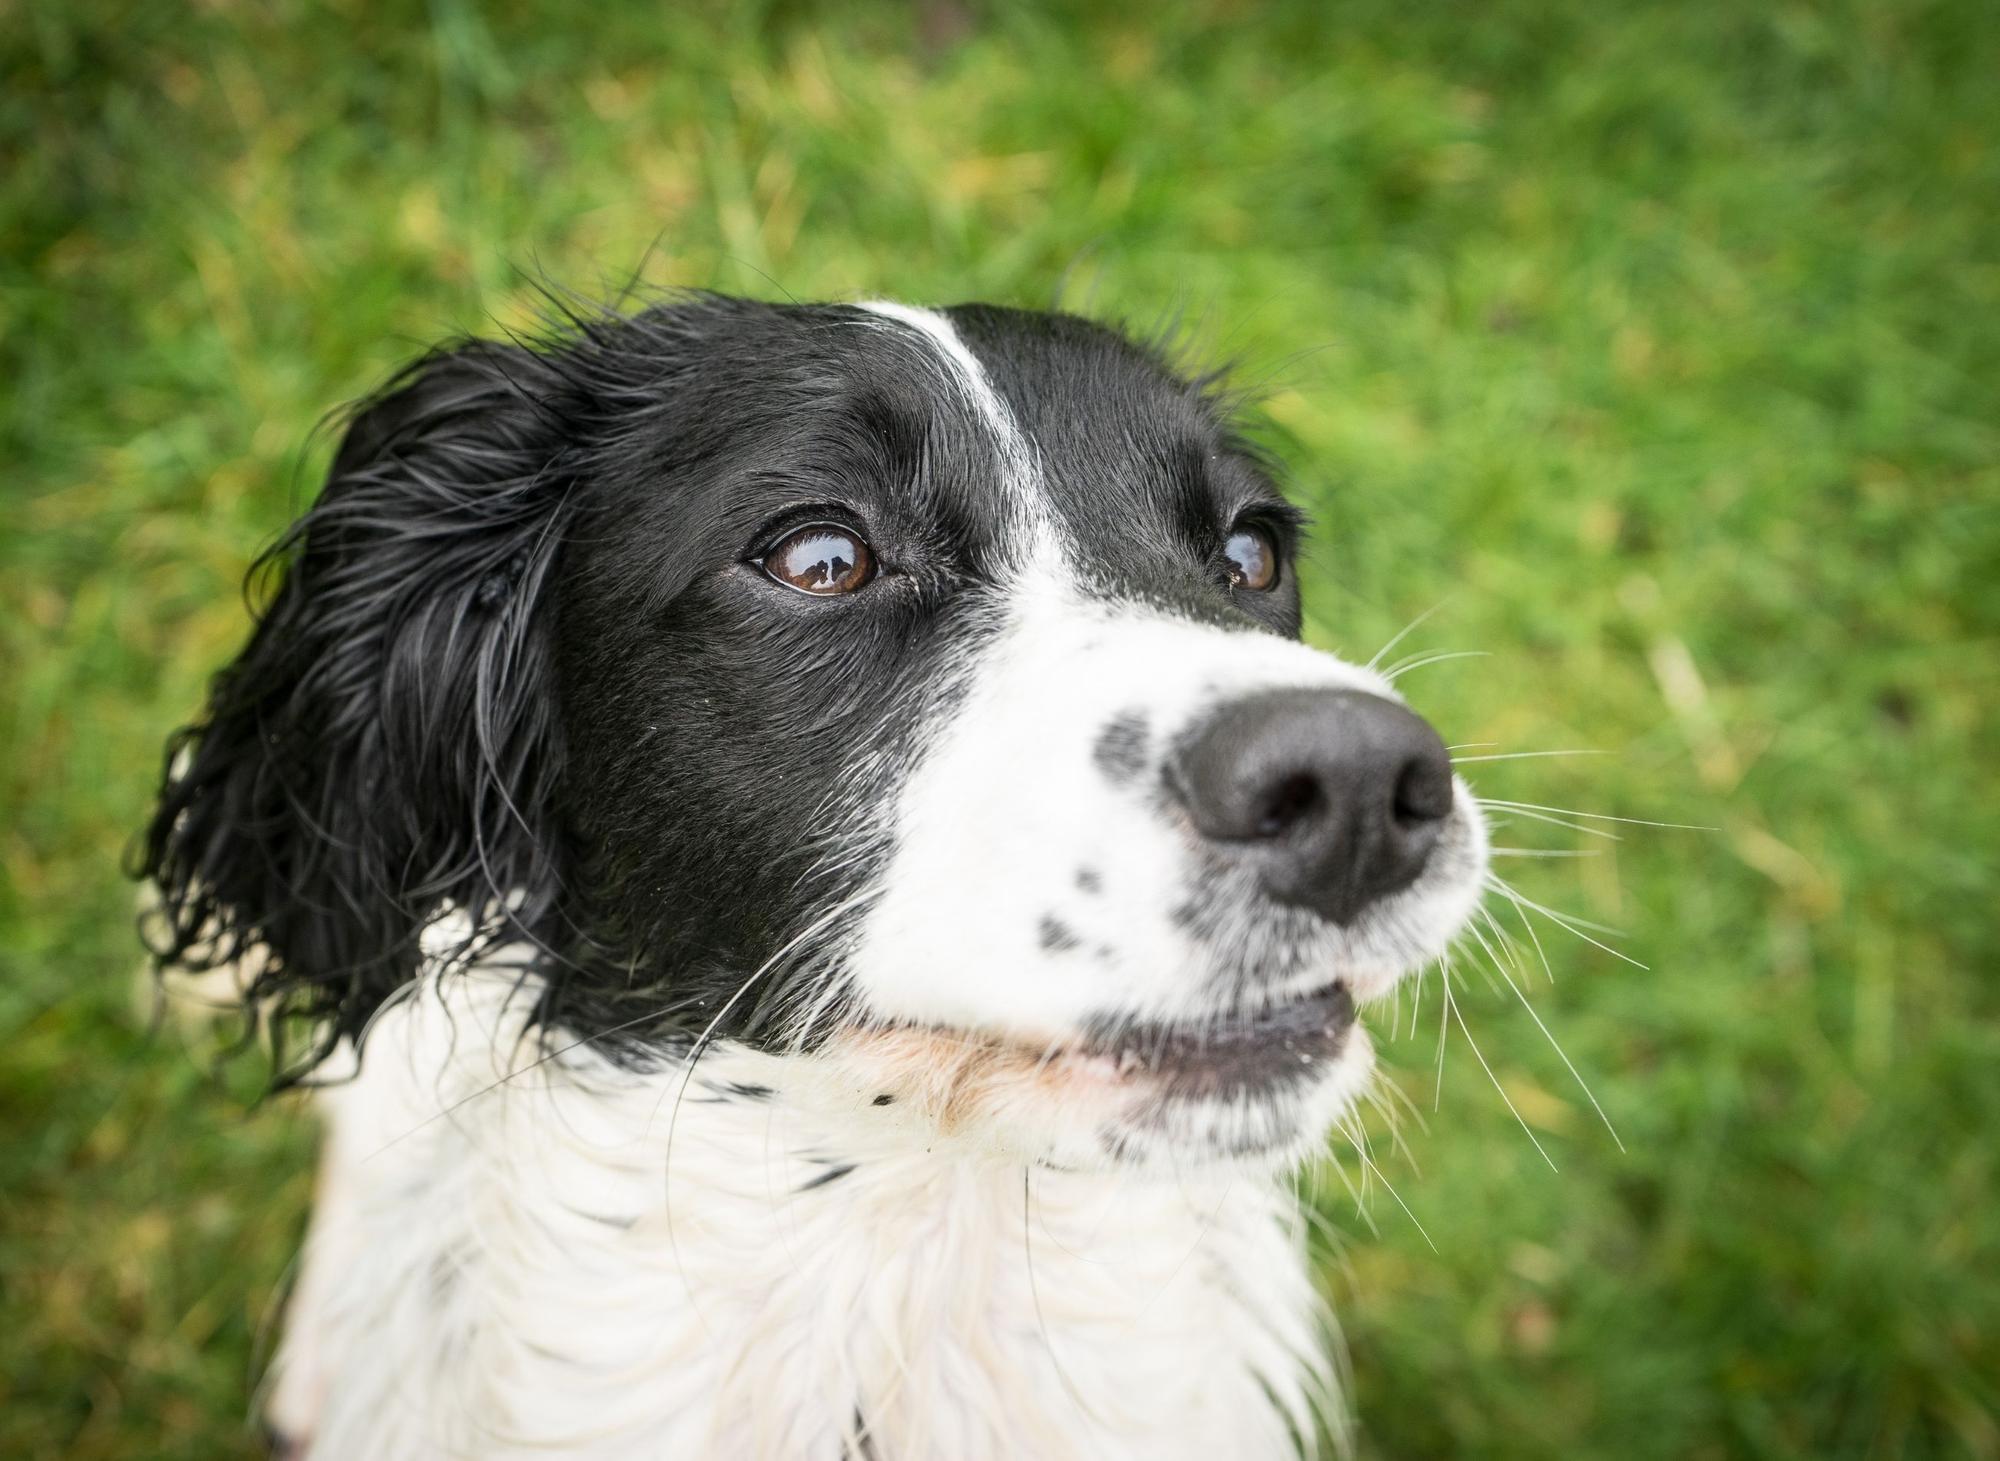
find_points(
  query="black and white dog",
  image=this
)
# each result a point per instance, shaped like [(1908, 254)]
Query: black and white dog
[(830, 895)]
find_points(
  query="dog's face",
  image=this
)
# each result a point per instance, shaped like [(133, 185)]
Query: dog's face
[(916, 693)]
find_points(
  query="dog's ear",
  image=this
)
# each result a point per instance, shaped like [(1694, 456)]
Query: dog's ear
[(385, 745)]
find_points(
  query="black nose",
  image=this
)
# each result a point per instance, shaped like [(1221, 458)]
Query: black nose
[(1336, 796)]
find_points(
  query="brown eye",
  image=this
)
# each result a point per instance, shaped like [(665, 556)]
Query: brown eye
[(821, 559), (1253, 559)]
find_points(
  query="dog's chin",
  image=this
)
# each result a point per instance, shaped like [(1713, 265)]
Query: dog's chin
[(1256, 1087)]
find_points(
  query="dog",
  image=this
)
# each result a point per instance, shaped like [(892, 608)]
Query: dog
[(827, 897)]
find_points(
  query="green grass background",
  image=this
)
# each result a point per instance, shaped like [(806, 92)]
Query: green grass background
[(1656, 348)]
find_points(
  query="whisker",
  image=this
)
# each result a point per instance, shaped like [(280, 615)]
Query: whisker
[(1542, 852), (1506, 941), (1596, 816), (1360, 1139), (1403, 633), (1444, 1015), (1384, 1097), (1564, 922), (706, 1037), (1403, 667), (1523, 756), (1360, 1204), (1450, 1005), (1368, 1163), (1536, 939), (1577, 919), (1554, 1044), (1357, 1138), (1484, 972), (1317, 1222), (1518, 811)]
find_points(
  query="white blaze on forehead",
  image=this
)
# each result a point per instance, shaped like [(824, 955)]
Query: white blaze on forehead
[(1022, 471)]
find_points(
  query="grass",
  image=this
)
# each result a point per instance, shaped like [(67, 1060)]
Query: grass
[(1652, 348)]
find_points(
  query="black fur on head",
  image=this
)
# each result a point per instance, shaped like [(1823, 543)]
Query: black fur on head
[(521, 662)]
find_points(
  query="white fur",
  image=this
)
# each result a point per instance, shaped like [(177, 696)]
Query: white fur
[(563, 1258)]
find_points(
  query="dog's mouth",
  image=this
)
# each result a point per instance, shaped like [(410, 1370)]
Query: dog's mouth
[(1235, 1054), (1248, 1082), (1248, 1054)]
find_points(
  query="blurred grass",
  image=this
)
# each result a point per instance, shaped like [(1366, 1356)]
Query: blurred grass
[(1655, 347)]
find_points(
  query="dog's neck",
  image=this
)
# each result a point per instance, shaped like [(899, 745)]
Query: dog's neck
[(516, 1255)]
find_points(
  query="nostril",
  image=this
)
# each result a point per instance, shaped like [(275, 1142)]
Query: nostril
[(1288, 803), (1423, 793), (1335, 799)]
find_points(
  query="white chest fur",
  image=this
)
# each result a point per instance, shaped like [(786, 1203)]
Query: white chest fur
[(581, 1261)]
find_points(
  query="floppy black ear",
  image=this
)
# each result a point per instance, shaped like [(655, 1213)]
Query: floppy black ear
[(385, 743)]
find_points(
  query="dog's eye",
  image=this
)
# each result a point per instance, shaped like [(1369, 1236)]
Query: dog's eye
[(1253, 558), (823, 558)]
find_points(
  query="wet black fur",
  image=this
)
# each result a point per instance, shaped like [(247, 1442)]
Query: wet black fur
[(518, 660)]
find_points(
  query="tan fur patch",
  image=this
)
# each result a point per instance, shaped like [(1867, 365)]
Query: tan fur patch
[(958, 1079)]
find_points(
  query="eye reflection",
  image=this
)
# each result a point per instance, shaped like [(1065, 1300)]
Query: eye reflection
[(821, 559), (1252, 557)]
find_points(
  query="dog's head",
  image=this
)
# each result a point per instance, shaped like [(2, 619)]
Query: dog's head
[(917, 693)]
